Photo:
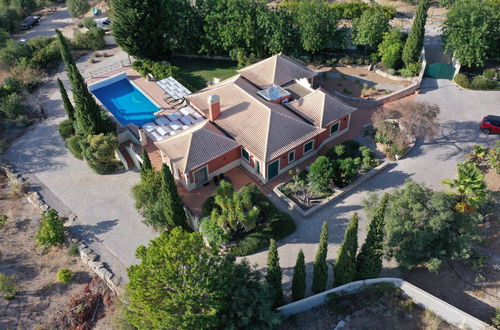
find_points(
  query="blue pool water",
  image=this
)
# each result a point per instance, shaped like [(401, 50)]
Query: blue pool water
[(126, 103)]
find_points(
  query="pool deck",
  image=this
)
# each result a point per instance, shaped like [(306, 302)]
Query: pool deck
[(148, 88)]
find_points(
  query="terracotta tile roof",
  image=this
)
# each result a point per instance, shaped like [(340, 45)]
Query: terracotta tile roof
[(320, 107), (276, 70), (196, 146), (265, 129)]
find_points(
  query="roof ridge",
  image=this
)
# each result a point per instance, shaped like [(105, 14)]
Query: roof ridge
[(291, 60), (185, 159), (338, 99), (185, 132), (275, 67), (254, 64)]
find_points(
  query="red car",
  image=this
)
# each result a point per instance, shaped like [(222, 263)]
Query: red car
[(490, 124)]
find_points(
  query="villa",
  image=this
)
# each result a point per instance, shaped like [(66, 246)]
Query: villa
[(268, 118)]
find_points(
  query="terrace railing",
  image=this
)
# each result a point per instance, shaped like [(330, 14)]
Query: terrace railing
[(110, 67)]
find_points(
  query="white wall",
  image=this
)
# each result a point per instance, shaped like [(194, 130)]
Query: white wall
[(107, 82)]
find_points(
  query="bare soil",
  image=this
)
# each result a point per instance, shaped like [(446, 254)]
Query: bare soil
[(369, 309), (40, 297)]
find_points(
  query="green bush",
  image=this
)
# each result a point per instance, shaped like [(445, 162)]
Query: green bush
[(7, 286), (411, 70), (489, 74), (391, 49), (73, 250), (51, 229), (66, 129), (496, 319), (213, 233), (321, 174), (207, 206), (77, 8), (3, 146), (480, 82), (89, 22), (99, 152), (349, 148), (46, 53), (93, 39), (158, 69), (3, 220), (74, 144), (64, 275), (462, 80), (11, 105)]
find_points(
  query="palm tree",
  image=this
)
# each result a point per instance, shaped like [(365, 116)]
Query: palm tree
[(469, 186)]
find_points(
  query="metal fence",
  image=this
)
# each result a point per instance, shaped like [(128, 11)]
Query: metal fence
[(110, 67)]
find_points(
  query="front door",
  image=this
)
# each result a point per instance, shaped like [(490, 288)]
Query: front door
[(273, 169), (201, 176)]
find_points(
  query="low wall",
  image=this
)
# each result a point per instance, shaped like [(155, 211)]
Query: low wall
[(422, 298), (341, 192), (108, 81), (93, 260)]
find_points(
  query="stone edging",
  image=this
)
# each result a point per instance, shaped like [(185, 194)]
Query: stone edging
[(306, 213), (86, 253), (439, 307)]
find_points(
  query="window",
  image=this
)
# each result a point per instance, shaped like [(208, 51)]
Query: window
[(291, 156), (308, 147), (334, 128), (257, 166), (245, 154)]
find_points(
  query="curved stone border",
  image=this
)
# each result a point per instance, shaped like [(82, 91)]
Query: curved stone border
[(439, 307), (339, 193), (92, 259)]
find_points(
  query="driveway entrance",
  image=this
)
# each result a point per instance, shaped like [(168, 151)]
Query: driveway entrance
[(440, 71)]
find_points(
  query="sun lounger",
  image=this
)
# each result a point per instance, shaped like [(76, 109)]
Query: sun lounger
[(196, 115), (163, 130), (162, 121), (186, 120), (186, 111), (175, 125), (149, 126), (174, 116), (199, 120), (156, 136)]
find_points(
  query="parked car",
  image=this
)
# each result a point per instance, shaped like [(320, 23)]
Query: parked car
[(29, 22), (103, 23), (490, 124)]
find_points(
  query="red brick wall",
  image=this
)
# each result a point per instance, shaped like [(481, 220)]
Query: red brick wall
[(219, 162), (326, 134), (299, 152)]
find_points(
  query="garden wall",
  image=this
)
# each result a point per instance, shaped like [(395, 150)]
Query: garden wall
[(422, 298), (341, 192)]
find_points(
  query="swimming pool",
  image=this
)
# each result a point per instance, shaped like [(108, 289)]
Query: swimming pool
[(126, 103)]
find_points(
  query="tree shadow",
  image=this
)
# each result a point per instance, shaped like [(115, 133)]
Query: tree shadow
[(90, 233)]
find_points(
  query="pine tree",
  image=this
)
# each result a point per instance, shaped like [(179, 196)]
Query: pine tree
[(299, 278), (320, 272), (345, 267), (66, 101), (171, 201), (146, 162), (274, 274), (415, 41), (369, 260)]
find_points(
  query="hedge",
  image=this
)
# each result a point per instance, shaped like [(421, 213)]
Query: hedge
[(277, 225), (74, 145), (66, 129)]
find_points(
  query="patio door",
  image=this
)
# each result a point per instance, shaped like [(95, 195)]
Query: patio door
[(273, 169), (201, 176)]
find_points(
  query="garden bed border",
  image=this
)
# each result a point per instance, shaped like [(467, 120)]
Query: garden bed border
[(307, 213), (422, 298)]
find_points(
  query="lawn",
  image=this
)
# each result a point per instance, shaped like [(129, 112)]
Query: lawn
[(197, 72)]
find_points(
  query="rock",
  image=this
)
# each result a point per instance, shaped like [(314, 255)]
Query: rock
[(44, 207), (81, 245), (116, 280), (101, 271), (85, 251), (92, 256), (108, 275), (71, 217), (75, 240), (96, 265)]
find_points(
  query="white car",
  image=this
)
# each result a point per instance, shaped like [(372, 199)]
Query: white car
[(103, 23)]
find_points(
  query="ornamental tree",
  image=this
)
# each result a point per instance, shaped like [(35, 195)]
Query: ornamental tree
[(320, 271), (274, 275), (70, 111), (368, 30), (345, 267), (171, 201), (415, 42), (146, 163), (299, 277), (422, 227), (51, 229), (471, 31), (391, 48), (78, 8), (469, 187), (179, 284), (321, 174), (369, 259)]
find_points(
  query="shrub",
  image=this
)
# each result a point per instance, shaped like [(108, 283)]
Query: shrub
[(46, 53), (495, 321), (480, 82), (7, 286), (213, 233), (73, 250), (77, 8), (74, 144), (66, 129), (3, 220), (3, 146), (321, 174), (64, 275), (158, 69), (494, 158), (392, 72), (411, 70), (489, 74), (18, 189), (89, 22), (346, 60), (99, 152), (93, 39), (51, 229), (462, 80), (11, 105), (207, 206), (391, 49)]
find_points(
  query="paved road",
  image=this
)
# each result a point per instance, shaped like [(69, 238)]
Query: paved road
[(57, 20)]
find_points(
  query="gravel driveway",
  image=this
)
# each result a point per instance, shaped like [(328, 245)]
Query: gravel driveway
[(60, 19)]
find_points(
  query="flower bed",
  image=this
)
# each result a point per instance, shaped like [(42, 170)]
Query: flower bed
[(329, 175)]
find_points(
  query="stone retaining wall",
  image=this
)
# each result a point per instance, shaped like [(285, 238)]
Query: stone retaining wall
[(92, 259), (422, 298)]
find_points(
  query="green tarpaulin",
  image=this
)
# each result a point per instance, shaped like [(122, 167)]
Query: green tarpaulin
[(440, 71)]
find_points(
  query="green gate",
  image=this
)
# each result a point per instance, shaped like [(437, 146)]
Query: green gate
[(439, 71)]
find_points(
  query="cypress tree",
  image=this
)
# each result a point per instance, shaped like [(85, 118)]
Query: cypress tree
[(274, 274), (69, 63), (171, 201), (66, 101), (345, 267), (146, 162), (320, 272), (369, 260), (299, 278), (414, 43)]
